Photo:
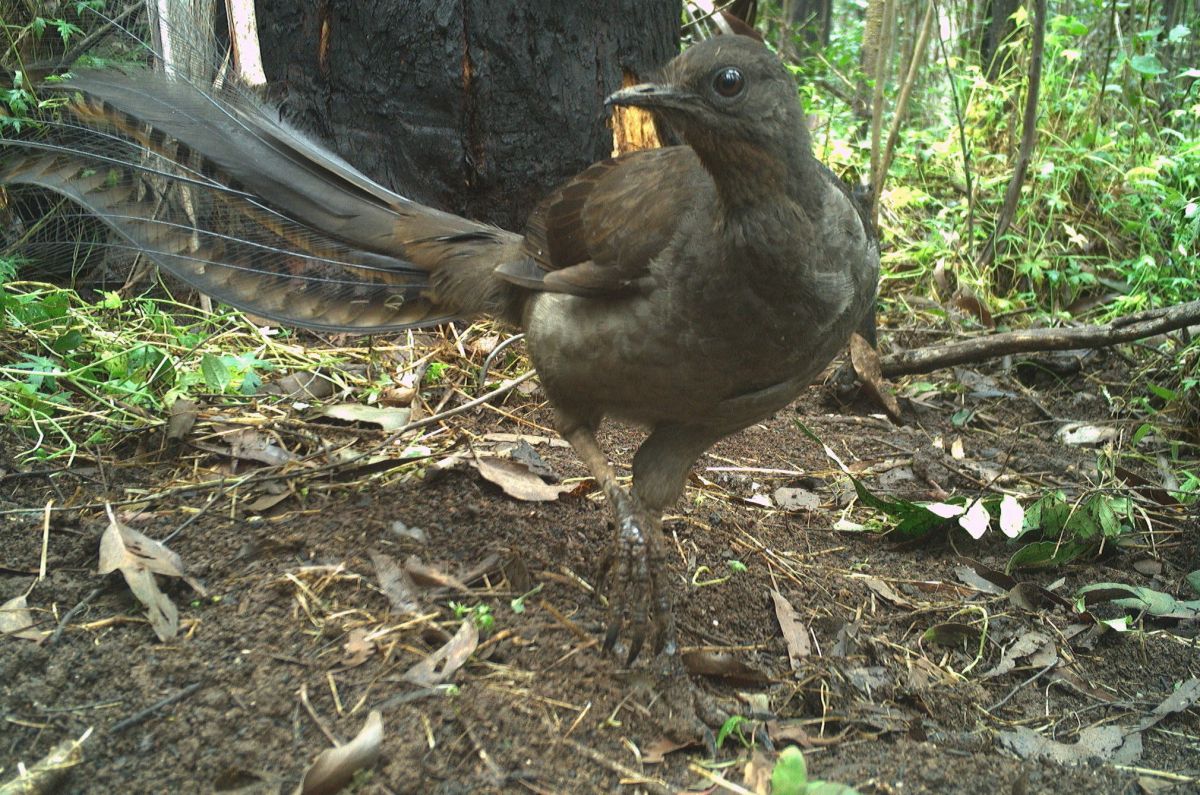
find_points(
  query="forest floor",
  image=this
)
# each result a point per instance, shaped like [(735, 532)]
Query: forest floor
[(896, 668)]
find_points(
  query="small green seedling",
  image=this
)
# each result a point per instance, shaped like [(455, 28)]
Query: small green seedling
[(733, 727), (790, 777), (480, 614), (518, 604)]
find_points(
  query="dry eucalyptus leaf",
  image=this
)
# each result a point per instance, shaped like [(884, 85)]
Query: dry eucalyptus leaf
[(334, 768), (865, 360), (16, 620), (389, 419), (517, 480), (445, 662), (181, 417), (655, 752), (397, 584), (795, 634), (265, 502), (139, 558), (889, 593)]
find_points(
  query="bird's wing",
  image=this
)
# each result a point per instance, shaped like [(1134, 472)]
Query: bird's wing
[(598, 233)]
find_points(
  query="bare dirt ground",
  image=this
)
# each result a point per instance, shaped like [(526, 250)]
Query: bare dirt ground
[(307, 625)]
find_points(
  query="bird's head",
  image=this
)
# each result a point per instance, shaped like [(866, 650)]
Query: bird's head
[(733, 101)]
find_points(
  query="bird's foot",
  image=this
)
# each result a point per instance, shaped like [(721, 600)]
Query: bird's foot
[(639, 596)]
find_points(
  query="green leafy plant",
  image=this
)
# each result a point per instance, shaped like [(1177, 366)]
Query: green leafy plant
[(518, 604), (732, 727), (76, 372), (1137, 600), (480, 615), (1058, 531), (790, 777)]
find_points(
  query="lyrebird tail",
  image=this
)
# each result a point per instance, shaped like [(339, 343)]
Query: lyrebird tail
[(216, 190)]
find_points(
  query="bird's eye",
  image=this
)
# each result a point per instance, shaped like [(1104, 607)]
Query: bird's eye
[(728, 82)]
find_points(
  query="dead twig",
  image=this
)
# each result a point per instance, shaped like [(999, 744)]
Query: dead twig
[(70, 614), (312, 713), (652, 784), (991, 346), (148, 712)]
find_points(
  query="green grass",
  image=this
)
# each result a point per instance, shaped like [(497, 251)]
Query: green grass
[(77, 374)]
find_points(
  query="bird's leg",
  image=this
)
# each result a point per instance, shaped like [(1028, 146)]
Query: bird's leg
[(639, 594)]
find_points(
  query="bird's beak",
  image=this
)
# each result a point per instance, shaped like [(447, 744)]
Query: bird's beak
[(651, 95)]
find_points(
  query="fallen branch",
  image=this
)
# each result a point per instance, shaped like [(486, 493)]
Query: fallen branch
[(1136, 326)]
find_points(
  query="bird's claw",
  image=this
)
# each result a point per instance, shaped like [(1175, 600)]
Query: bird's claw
[(638, 594)]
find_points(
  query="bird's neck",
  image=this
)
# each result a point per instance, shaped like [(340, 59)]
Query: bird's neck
[(748, 175)]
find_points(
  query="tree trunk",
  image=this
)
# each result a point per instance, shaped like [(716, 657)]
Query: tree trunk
[(806, 27), (998, 27), (476, 107)]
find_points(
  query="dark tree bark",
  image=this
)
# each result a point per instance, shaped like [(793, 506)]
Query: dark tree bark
[(806, 26), (476, 107), (998, 26), (1008, 210)]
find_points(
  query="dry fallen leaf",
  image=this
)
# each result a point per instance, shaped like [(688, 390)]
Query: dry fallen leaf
[(396, 583), (444, 662), (334, 768), (969, 302), (357, 649), (389, 419), (430, 577), (655, 752), (16, 620), (1078, 433), (139, 558), (485, 344), (756, 774), (553, 441), (1026, 646), (181, 417), (517, 480), (790, 499), (795, 634), (301, 385), (865, 360), (889, 593)]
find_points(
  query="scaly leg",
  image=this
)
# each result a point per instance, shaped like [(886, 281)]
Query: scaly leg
[(638, 586), (639, 593)]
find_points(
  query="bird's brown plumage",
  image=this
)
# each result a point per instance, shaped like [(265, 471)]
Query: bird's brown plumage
[(694, 289)]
